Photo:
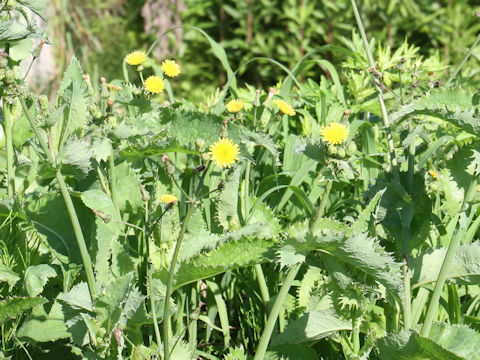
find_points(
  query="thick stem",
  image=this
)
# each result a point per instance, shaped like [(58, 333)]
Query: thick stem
[(383, 108), (262, 284), (9, 145), (87, 262), (323, 204), (442, 276), (150, 279), (166, 314), (272, 317)]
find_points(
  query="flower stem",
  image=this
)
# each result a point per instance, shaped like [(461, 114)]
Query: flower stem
[(272, 317), (87, 262), (442, 276), (150, 279), (323, 204), (9, 145), (383, 108), (113, 184), (262, 284)]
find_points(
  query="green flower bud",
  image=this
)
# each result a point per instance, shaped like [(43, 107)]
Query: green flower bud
[(11, 3), (200, 145), (3, 62), (2, 74), (112, 120), (352, 148), (43, 100), (332, 150), (341, 153), (10, 77)]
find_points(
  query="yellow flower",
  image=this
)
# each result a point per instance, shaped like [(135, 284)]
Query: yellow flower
[(235, 105), (168, 198), (335, 133), (171, 68), (285, 107), (154, 84), (224, 152), (136, 58), (433, 174)]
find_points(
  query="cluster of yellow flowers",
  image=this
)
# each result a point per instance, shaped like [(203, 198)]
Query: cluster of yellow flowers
[(154, 84)]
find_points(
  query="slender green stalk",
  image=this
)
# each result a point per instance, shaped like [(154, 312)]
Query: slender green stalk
[(262, 284), (168, 293), (464, 60), (272, 317), (246, 192), (323, 204), (113, 183), (383, 108), (36, 131), (87, 262), (150, 281), (9, 145), (442, 276)]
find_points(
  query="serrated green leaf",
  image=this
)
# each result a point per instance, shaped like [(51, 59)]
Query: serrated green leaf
[(73, 73), (227, 202), (12, 30), (37, 6), (13, 307), (76, 154), (43, 328), (78, 297), (312, 326), (20, 50), (454, 105), (446, 342), (36, 278), (7, 275), (306, 286), (128, 187), (361, 224), (464, 268)]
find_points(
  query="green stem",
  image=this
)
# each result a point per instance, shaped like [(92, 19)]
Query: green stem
[(383, 108), (442, 276), (87, 262), (150, 281), (323, 204), (36, 131), (272, 317), (467, 56), (262, 284), (246, 192), (166, 314), (113, 183), (9, 146)]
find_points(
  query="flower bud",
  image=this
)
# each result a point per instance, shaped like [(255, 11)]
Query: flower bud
[(332, 150), (352, 148), (256, 101), (36, 52), (341, 153), (3, 62), (200, 145), (43, 100), (9, 77)]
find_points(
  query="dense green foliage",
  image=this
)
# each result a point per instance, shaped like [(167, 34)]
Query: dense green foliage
[(338, 221)]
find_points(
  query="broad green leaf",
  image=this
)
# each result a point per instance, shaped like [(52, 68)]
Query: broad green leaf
[(230, 255), (41, 327), (37, 6), (7, 275), (464, 268), (36, 278), (227, 203), (20, 50), (12, 30), (446, 342), (290, 352), (454, 105), (128, 187), (75, 155), (312, 326), (12, 307), (74, 73), (78, 297), (75, 115)]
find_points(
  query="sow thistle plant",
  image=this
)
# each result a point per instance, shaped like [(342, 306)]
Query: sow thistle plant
[(133, 229)]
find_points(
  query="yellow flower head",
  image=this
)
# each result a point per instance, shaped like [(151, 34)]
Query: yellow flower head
[(285, 107), (224, 152), (171, 68), (433, 174), (335, 133), (136, 58), (154, 84), (168, 198), (235, 105)]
